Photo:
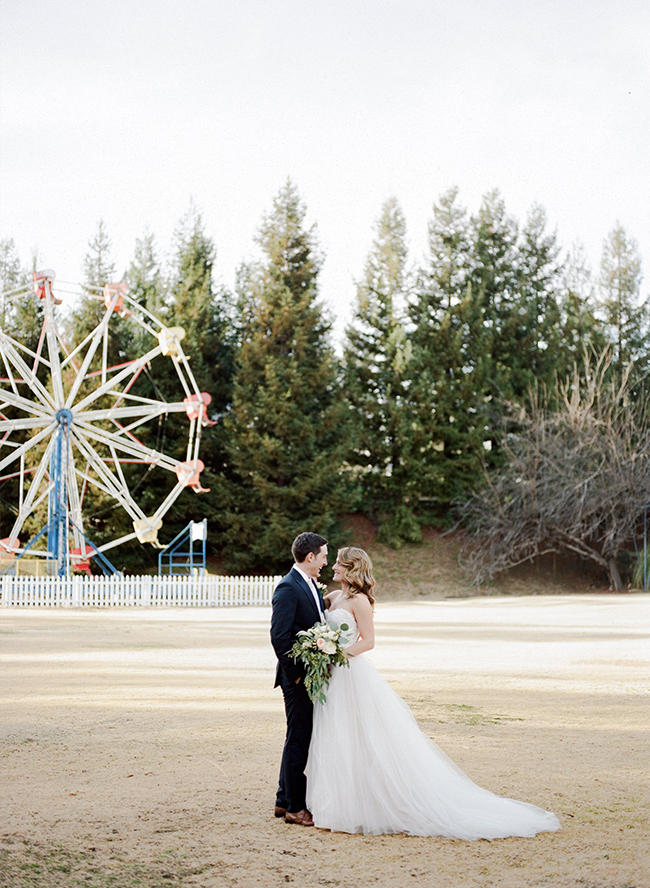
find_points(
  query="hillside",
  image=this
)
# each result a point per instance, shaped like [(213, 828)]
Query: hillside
[(430, 570)]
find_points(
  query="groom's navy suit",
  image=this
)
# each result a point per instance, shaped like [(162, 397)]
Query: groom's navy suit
[(294, 608)]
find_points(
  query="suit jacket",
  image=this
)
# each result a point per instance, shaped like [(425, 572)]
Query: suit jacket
[(294, 609)]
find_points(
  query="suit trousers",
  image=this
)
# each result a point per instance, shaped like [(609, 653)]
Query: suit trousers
[(299, 711)]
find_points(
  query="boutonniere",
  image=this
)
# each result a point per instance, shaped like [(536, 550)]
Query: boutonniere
[(322, 588)]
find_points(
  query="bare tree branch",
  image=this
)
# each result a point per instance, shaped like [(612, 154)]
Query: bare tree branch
[(576, 477)]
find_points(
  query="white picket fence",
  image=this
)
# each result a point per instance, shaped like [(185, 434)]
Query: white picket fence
[(140, 591)]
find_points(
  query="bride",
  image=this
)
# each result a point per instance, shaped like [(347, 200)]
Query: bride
[(370, 768)]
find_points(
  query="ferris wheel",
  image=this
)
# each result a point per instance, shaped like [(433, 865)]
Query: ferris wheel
[(76, 426)]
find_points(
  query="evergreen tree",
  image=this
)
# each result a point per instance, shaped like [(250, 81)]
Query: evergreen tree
[(99, 269), (21, 318), (519, 282), (582, 333), (538, 350), (145, 277), (25, 322), (449, 370), (494, 281), (202, 308), (10, 269), (625, 317), (377, 355), (285, 430)]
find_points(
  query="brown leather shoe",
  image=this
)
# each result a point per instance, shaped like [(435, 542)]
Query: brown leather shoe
[(279, 812), (302, 818)]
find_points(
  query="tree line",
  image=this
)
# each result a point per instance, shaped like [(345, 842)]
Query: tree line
[(439, 360)]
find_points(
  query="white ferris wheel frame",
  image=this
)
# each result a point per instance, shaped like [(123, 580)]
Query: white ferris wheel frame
[(72, 443)]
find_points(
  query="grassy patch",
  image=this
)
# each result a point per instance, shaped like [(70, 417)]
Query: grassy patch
[(456, 713), (26, 864)]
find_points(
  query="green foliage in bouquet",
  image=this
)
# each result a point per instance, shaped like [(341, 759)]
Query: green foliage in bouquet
[(319, 649)]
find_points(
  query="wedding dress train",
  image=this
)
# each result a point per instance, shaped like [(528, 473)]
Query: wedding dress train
[(371, 769)]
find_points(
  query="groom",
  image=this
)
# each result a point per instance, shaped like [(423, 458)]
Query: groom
[(297, 604)]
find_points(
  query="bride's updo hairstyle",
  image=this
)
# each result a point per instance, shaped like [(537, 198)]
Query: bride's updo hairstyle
[(358, 571)]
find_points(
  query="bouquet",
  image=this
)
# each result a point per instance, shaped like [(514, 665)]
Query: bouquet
[(319, 649)]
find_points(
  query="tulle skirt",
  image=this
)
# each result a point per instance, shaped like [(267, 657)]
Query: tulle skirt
[(371, 770)]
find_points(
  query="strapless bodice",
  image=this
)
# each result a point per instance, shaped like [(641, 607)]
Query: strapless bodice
[(342, 619)]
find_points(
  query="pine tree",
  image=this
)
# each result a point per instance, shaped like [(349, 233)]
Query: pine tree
[(377, 355), (145, 276), (449, 370), (99, 269), (285, 430), (22, 318), (494, 280), (10, 269), (581, 331), (626, 318), (203, 309), (535, 323), (26, 318)]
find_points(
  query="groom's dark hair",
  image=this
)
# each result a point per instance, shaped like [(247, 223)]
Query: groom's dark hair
[(305, 543)]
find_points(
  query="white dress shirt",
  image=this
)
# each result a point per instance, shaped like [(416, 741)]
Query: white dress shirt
[(312, 586)]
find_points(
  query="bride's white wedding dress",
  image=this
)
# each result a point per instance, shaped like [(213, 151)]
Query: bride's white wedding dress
[(372, 770)]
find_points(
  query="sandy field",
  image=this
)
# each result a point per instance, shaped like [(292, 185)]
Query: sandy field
[(141, 748)]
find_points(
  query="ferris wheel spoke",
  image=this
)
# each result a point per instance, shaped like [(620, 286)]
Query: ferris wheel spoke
[(107, 480), (178, 363), (114, 380), (16, 293), (113, 493), (118, 542), (27, 445), (75, 501), (13, 425), (53, 351), (71, 355), (149, 411), (185, 375), (38, 355), (19, 346), (93, 344), (29, 502), (169, 501), (141, 312), (141, 322), (30, 378), (21, 402), (118, 467), (126, 430), (9, 372), (21, 483), (128, 446), (138, 399)]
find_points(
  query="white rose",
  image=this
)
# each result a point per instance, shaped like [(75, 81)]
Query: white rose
[(329, 647)]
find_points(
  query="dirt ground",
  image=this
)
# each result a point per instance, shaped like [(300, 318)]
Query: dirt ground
[(141, 748)]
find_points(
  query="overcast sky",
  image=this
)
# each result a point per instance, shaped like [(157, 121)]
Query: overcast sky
[(127, 109)]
